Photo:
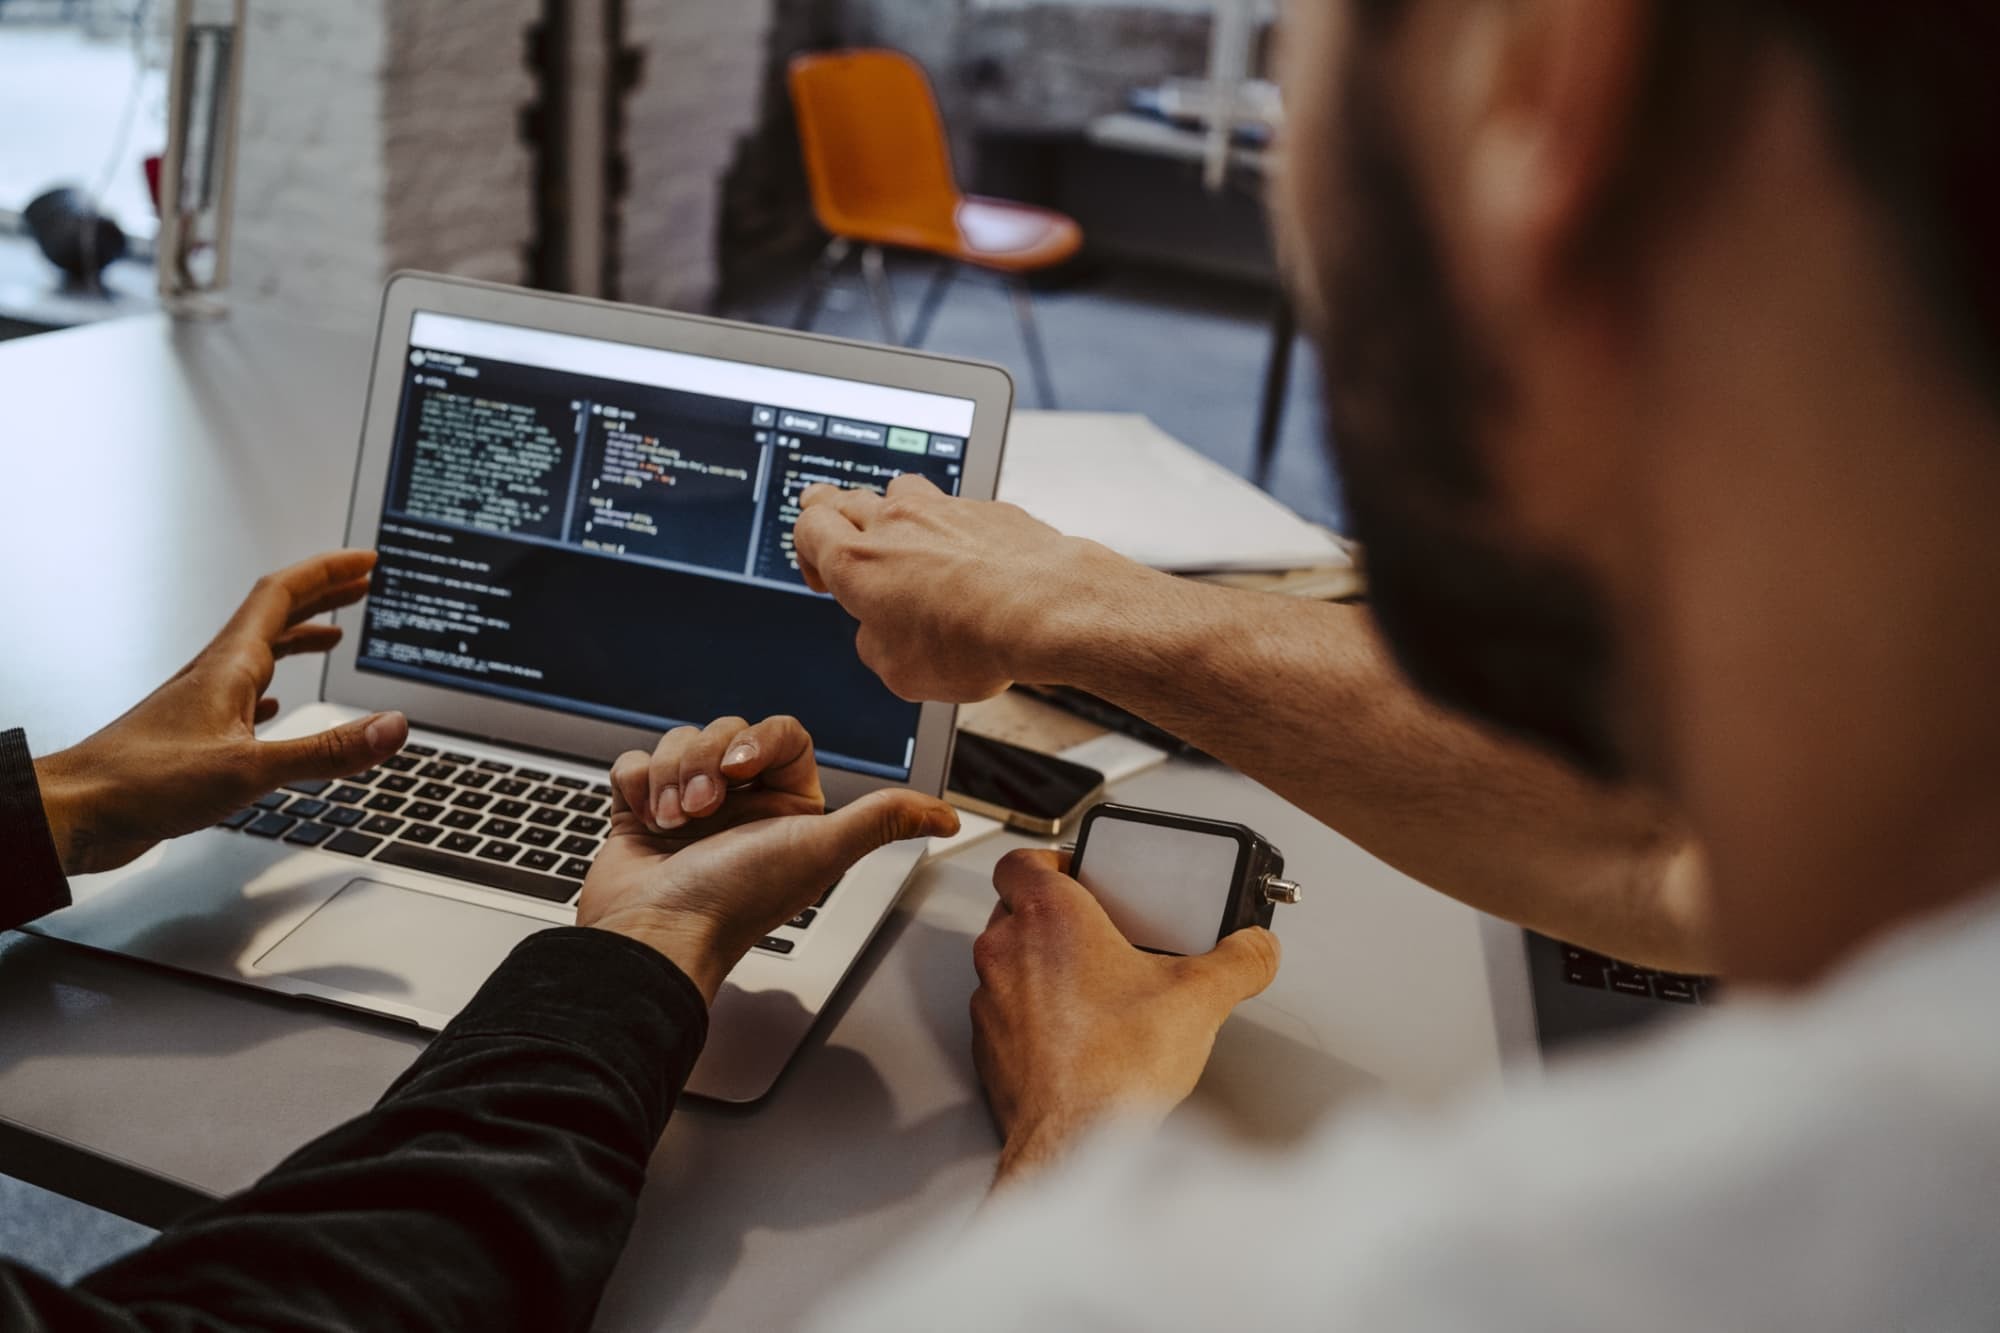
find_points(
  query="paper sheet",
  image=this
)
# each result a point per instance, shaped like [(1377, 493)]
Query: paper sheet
[(1118, 479)]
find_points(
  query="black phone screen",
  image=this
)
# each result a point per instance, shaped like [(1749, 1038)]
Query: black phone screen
[(1038, 785)]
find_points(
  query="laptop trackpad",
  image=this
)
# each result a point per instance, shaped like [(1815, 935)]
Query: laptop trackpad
[(399, 944)]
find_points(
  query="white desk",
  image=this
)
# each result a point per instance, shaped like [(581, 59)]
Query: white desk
[(162, 468)]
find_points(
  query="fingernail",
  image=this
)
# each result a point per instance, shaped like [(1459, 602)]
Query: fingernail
[(382, 730), (667, 810), (700, 791), (742, 754)]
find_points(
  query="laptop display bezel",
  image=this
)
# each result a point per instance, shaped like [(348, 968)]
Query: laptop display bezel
[(464, 712)]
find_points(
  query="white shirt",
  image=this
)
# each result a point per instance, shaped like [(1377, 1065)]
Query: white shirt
[(1829, 1164)]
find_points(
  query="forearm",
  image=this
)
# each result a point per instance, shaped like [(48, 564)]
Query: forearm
[(492, 1187), (1303, 698)]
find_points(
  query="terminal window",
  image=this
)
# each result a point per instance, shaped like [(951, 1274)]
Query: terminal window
[(625, 550)]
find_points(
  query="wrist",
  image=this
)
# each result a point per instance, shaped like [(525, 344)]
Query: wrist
[(63, 803), (695, 944), (1039, 1141), (1100, 612)]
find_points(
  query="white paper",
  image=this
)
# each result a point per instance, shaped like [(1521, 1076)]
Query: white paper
[(1118, 479)]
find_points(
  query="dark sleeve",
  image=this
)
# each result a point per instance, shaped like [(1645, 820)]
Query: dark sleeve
[(31, 878), (492, 1188)]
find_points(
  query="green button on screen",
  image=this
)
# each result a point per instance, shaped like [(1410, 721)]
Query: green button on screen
[(909, 441)]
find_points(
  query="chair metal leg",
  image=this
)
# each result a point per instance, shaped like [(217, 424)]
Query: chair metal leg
[(875, 267), (1024, 313), (941, 281), (1277, 384), (824, 270)]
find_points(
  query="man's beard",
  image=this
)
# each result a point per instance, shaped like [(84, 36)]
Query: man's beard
[(1504, 634)]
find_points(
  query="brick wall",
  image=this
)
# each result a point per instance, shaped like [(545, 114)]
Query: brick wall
[(377, 135)]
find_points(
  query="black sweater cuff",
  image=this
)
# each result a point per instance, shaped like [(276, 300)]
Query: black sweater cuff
[(602, 992), (32, 883)]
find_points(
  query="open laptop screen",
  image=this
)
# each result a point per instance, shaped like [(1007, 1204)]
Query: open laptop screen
[(606, 529)]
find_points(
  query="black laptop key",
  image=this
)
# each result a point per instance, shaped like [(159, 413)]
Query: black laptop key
[(381, 825), (538, 837), (310, 834), (309, 786), (421, 751), (495, 766), (343, 816), (510, 787), (269, 824), (461, 842), (455, 757), (1680, 990), (501, 828), (474, 778), (511, 809), (461, 819), (497, 850), (385, 803), (828, 894), (548, 795), (601, 789), (803, 919), (400, 763), (532, 774), (591, 824), (1628, 982), (576, 868), (306, 808), (574, 784), (396, 782), (585, 803), (348, 794), (536, 858), (271, 800), (351, 843), (424, 810), (367, 775), (437, 770), (776, 944), (422, 834), (548, 816), (435, 791), (492, 874), (472, 800), (1576, 974), (249, 812), (575, 846)]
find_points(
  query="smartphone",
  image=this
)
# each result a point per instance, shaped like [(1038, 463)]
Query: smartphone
[(1036, 793)]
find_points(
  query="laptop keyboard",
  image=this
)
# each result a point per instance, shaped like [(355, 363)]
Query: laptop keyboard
[(515, 828), (1581, 967)]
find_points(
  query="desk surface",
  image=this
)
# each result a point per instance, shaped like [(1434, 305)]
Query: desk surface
[(162, 467)]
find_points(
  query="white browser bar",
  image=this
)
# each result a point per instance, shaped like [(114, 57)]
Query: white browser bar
[(762, 386)]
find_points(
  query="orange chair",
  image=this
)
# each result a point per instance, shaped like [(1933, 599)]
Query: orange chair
[(880, 170)]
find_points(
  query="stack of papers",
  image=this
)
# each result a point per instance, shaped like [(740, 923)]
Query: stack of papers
[(1118, 479)]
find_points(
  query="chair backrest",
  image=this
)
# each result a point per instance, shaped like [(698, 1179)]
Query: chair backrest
[(875, 147)]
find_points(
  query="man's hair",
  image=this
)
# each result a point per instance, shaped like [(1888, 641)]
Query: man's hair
[(1912, 99)]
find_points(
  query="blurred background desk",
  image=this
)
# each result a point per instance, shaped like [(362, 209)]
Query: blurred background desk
[(154, 470)]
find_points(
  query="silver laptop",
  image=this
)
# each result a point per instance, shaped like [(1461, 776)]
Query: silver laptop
[(584, 513)]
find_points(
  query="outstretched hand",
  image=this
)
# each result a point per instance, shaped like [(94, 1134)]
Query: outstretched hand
[(721, 835), (188, 753)]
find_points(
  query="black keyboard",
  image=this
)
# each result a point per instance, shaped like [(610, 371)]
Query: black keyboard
[(515, 828), (1581, 967)]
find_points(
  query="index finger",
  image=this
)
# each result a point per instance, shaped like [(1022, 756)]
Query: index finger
[(299, 591), (778, 753), (1028, 871)]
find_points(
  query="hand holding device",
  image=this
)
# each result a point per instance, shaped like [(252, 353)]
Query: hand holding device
[(745, 859), (956, 598), (1178, 883), (188, 753), (1072, 1024)]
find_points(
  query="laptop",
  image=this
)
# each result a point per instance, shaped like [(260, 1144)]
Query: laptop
[(584, 515)]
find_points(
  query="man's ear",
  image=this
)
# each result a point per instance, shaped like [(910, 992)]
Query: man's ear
[(1547, 94)]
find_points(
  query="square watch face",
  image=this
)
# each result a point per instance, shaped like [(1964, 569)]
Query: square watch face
[(1165, 883)]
